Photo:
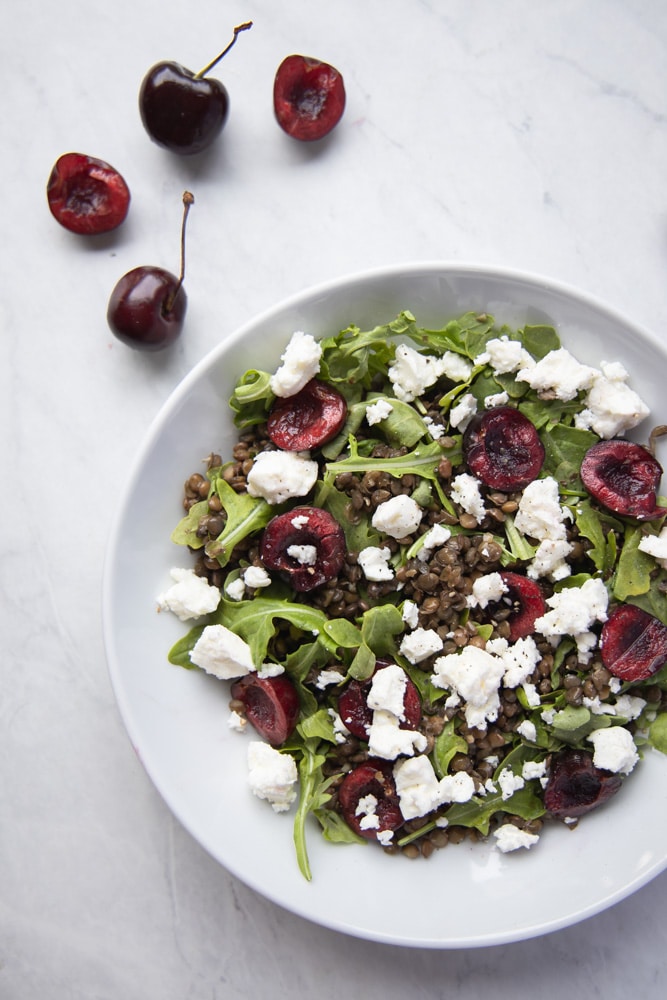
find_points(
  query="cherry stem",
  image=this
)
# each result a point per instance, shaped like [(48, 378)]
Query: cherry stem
[(237, 30), (188, 201)]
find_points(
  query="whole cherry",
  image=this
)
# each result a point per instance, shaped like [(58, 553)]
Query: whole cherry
[(308, 97), (183, 111), (147, 307), (87, 195)]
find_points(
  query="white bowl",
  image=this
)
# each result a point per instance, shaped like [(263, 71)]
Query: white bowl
[(463, 896)]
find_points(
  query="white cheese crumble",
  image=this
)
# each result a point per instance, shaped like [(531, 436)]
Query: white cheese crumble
[(511, 838), (235, 589), (190, 596), (399, 516), (629, 706), (374, 562), (280, 475), (387, 690), (410, 614), (560, 373), (366, 809), (300, 521), (377, 411), (573, 611), (419, 644), (305, 555), (528, 730), (509, 783), (474, 675), (327, 677), (485, 589), (256, 577), (412, 373), (221, 652), (505, 355), (463, 411), (458, 787), (300, 363), (272, 775), (550, 560), (434, 538), (534, 769), (540, 514), (436, 430), (656, 546), (341, 732), (615, 749), (271, 670), (465, 492), (237, 722), (611, 406), (387, 740), (496, 399), (417, 787)]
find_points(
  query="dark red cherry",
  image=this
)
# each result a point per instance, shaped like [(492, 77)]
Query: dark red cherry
[(308, 97), (87, 195), (307, 419), (575, 786), (633, 644), (310, 527), (624, 477), (183, 111), (147, 307), (528, 604), (357, 716), (271, 704), (374, 778), (503, 449)]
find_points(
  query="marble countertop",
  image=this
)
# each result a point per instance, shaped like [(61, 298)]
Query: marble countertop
[(530, 134)]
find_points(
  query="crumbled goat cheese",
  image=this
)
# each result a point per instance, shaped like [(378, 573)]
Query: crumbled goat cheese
[(417, 787), (341, 732), (511, 838), (385, 837), (366, 808), (532, 695), (519, 659), (629, 707), (550, 560), (221, 652), (327, 677), (656, 546), (237, 722), (374, 562), (235, 590), (279, 475), (377, 411), (420, 644), (256, 577), (560, 373), (271, 670), (474, 675), (300, 521), (489, 587), (509, 783), (463, 411), (190, 596), (540, 514), (458, 787), (387, 740), (387, 690), (533, 770), (465, 492), (496, 399), (434, 538), (410, 614), (504, 355), (573, 611), (398, 516), (412, 373), (436, 430), (300, 363), (272, 775), (528, 731), (611, 406), (306, 555), (615, 749)]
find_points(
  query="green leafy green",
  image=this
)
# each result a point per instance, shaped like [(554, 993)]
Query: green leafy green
[(657, 732), (447, 744), (185, 532), (246, 515), (634, 567), (252, 398)]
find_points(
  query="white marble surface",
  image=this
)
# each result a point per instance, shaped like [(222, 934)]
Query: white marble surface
[(528, 134)]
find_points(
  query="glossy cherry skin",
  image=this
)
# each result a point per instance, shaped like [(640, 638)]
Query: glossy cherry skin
[(182, 112), (308, 97), (143, 310), (86, 195)]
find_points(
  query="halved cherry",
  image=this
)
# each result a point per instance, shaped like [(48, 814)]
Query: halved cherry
[(375, 778), (307, 419), (86, 195), (503, 449), (308, 97), (298, 529), (271, 705), (575, 786), (633, 644), (528, 603), (624, 477), (357, 716)]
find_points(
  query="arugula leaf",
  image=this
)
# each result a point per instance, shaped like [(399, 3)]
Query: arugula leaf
[(185, 532), (359, 533), (657, 733), (478, 812), (313, 796), (539, 340), (447, 744), (564, 449), (255, 621), (603, 546), (245, 516), (422, 461), (252, 398), (634, 567)]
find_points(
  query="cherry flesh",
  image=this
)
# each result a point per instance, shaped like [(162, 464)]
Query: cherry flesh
[(624, 477), (503, 449), (87, 195), (304, 527), (147, 307), (308, 97), (374, 778), (271, 705), (575, 786), (528, 604), (633, 644), (307, 419), (183, 111), (357, 716)]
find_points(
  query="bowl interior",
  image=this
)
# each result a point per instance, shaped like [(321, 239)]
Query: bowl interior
[(467, 895)]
